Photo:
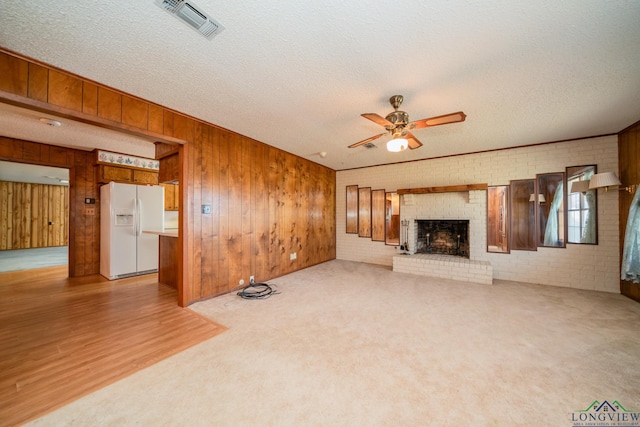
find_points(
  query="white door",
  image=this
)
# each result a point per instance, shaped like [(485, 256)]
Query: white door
[(150, 204)]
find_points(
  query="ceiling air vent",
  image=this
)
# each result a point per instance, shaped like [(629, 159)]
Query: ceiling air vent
[(191, 14)]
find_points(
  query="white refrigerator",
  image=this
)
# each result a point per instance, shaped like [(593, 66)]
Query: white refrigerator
[(126, 210)]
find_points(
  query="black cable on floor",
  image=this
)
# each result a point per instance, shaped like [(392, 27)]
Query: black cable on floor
[(259, 291)]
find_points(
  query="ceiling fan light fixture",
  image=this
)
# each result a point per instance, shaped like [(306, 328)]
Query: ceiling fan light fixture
[(398, 126), (397, 144)]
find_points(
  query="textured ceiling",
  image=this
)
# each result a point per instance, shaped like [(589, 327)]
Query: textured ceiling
[(17, 172), (297, 75), (25, 124)]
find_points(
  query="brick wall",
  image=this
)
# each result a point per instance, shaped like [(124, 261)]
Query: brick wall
[(471, 205), (594, 267)]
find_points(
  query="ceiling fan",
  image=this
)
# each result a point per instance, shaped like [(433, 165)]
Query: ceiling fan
[(398, 126)]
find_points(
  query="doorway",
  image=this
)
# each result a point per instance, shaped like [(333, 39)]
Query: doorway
[(34, 216)]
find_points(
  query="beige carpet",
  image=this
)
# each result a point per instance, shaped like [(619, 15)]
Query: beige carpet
[(351, 344)]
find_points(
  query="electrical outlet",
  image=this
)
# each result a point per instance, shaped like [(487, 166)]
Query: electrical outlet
[(241, 282), (293, 256), (252, 280)]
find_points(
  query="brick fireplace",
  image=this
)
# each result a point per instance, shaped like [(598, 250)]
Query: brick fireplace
[(448, 258)]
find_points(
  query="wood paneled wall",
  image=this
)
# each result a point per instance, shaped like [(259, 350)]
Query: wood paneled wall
[(34, 85), (84, 222), (33, 215), (629, 164), (266, 204)]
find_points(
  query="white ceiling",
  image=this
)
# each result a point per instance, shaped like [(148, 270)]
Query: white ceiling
[(297, 75), (17, 172), (25, 124)]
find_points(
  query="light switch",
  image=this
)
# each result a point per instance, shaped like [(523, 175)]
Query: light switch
[(206, 209)]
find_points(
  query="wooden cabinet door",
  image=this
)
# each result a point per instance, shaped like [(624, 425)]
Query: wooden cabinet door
[(176, 196), (114, 173), (145, 177), (170, 197), (126, 175)]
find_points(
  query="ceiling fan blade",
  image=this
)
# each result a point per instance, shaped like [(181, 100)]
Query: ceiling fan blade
[(413, 141), (364, 141), (438, 120), (376, 118)]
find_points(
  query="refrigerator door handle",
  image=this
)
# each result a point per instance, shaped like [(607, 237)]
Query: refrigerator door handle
[(138, 217)]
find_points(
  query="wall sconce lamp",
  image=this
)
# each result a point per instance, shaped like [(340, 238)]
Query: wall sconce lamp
[(541, 199), (580, 186), (609, 179)]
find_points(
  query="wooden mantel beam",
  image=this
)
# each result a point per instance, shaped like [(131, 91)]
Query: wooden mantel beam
[(443, 189)]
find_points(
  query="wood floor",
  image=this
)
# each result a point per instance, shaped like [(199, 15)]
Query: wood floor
[(63, 338)]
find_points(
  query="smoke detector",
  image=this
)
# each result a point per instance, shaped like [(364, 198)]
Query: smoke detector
[(50, 122), (191, 14)]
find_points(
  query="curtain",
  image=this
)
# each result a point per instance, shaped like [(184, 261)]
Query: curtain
[(589, 229), (631, 248), (551, 237)]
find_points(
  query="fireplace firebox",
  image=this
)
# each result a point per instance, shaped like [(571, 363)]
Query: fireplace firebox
[(445, 237)]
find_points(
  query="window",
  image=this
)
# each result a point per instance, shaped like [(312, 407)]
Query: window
[(578, 211)]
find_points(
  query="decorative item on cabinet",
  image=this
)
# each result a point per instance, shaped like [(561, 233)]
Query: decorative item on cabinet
[(126, 160)]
